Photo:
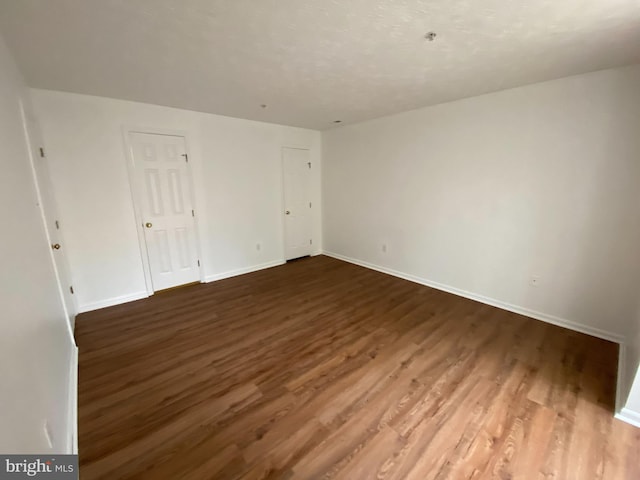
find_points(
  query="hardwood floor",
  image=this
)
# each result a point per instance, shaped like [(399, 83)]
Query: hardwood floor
[(322, 369)]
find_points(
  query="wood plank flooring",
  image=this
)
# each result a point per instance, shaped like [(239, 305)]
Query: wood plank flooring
[(322, 369)]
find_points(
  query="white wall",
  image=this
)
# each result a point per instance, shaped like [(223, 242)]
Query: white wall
[(36, 348), (479, 195), (238, 182)]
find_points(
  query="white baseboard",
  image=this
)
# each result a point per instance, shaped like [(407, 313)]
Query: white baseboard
[(87, 307), (593, 331), (72, 418), (629, 416), (242, 271), (110, 302)]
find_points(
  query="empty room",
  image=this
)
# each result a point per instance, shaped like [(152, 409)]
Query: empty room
[(310, 239)]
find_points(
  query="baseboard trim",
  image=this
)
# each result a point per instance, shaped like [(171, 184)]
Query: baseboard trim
[(242, 271), (110, 302), (561, 322), (72, 419), (629, 416)]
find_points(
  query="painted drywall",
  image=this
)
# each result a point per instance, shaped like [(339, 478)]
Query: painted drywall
[(237, 171), (486, 195), (36, 346)]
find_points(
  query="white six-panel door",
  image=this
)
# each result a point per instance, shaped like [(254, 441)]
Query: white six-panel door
[(297, 202), (163, 192)]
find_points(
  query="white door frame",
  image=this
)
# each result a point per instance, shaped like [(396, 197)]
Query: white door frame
[(135, 197), (283, 205)]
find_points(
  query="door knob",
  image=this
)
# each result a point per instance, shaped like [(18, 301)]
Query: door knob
[(287, 212), (56, 246), (148, 224)]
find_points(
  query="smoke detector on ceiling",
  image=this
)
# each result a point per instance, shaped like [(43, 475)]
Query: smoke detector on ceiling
[(431, 36)]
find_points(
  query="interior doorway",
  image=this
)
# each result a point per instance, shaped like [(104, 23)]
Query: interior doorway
[(165, 210), (297, 202)]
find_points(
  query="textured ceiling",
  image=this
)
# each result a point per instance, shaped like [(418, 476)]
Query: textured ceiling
[(312, 61)]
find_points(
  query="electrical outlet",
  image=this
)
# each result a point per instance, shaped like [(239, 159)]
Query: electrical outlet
[(384, 248), (47, 433), (534, 281)]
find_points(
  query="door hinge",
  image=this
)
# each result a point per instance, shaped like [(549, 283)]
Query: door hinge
[(310, 242), (198, 262), (193, 214), (57, 225), (42, 152), (71, 289), (309, 163), (309, 204), (186, 157)]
